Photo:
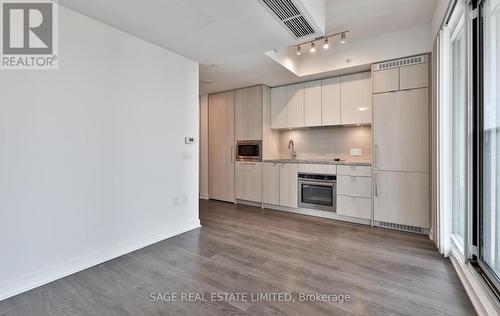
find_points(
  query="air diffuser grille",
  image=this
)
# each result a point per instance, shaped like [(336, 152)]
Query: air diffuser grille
[(406, 228), (401, 62), (290, 16)]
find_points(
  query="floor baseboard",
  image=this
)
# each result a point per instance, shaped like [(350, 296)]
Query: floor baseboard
[(31, 281)]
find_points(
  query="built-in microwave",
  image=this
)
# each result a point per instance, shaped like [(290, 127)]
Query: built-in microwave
[(249, 150)]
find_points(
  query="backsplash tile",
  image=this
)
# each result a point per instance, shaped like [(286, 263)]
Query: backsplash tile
[(328, 143)]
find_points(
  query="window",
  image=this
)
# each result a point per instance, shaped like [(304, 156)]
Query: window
[(458, 131), (489, 149)]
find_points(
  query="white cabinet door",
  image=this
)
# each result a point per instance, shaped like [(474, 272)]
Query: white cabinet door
[(241, 114), (354, 186), (312, 103), (248, 179), (221, 146), (278, 107), (288, 185), (401, 131), (330, 101), (414, 76), (295, 106), (318, 169), (255, 112), (359, 171), (354, 207), (386, 80), (271, 183), (356, 99), (402, 198)]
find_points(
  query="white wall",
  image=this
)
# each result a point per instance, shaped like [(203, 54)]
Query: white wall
[(92, 154), (204, 146)]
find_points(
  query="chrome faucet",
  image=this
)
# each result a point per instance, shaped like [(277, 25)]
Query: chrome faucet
[(291, 148)]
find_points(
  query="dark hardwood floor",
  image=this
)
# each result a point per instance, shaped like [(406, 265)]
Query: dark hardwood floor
[(242, 250)]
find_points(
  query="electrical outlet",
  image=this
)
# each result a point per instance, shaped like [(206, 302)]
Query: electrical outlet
[(176, 200), (355, 152), (185, 199)]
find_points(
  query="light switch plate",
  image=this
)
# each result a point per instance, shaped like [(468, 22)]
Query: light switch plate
[(356, 152), (189, 140)]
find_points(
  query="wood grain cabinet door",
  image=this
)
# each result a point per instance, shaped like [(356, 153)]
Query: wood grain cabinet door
[(221, 146), (356, 99), (278, 108)]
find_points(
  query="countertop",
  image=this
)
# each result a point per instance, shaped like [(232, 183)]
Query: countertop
[(320, 162)]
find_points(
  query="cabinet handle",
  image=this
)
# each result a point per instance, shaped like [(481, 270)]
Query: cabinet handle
[(376, 185), (248, 163)]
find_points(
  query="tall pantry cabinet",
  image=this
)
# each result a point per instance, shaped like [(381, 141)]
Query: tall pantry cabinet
[(401, 143), (221, 151)]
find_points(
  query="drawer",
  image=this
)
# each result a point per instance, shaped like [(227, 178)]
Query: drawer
[(354, 207), (317, 169), (360, 171), (354, 186)]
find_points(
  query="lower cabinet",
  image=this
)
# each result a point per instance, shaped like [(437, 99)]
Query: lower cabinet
[(402, 198), (288, 185), (271, 183), (354, 192), (248, 180), (354, 206)]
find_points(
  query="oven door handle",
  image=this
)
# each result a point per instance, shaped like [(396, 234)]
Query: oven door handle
[(318, 183)]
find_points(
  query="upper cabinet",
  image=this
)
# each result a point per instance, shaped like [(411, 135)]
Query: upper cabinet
[(386, 80), (330, 101), (248, 104), (414, 76), (343, 100), (278, 107), (295, 106), (356, 99), (312, 103)]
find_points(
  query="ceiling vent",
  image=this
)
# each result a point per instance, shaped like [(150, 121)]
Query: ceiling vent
[(401, 62), (301, 18)]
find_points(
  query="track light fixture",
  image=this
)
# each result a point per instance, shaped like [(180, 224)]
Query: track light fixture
[(313, 47), (325, 39), (343, 38), (326, 45)]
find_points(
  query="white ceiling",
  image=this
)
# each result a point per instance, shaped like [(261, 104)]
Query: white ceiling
[(229, 37)]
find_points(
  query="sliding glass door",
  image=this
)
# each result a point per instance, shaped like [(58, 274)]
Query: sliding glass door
[(458, 65), (489, 193)]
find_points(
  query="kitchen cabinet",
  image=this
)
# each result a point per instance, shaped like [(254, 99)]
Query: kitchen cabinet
[(354, 207), (241, 114), (354, 191), (318, 169), (402, 198), (221, 146), (354, 186), (271, 183), (248, 181), (330, 101), (295, 106), (414, 76), (401, 131), (356, 99), (288, 185), (386, 80), (248, 113), (278, 107), (312, 103)]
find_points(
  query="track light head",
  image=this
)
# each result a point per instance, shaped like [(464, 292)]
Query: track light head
[(325, 44), (313, 47), (343, 38)]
